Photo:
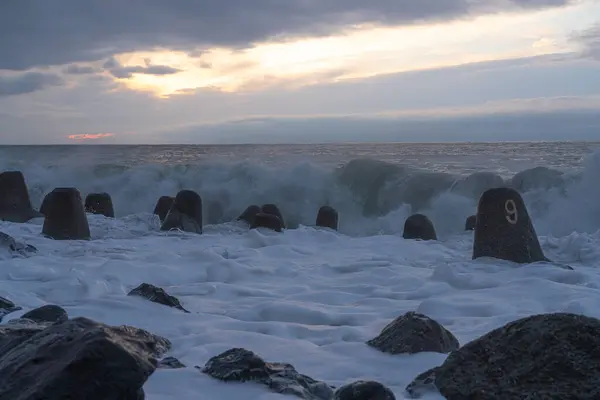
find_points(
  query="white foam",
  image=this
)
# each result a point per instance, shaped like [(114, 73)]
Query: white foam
[(309, 297)]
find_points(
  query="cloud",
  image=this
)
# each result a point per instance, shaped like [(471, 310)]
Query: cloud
[(15, 84), (590, 40), (92, 30), (119, 71), (75, 69), (90, 136)]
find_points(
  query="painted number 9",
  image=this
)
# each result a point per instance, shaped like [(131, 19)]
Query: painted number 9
[(512, 215)]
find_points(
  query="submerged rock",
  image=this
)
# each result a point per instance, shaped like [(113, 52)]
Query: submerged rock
[(242, 365), (327, 217), (76, 359), (470, 223), (504, 230), (162, 207), (100, 203), (269, 221), (272, 209), (15, 204), (419, 226), (65, 215), (170, 363), (157, 295), (185, 213), (414, 333), (15, 248), (364, 390), (47, 313), (547, 356), (7, 307)]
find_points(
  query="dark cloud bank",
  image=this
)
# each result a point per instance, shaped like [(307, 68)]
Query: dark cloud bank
[(36, 33)]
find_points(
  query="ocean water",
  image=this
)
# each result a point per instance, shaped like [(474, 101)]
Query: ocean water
[(310, 297)]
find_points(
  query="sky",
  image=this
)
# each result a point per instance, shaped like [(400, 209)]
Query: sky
[(298, 71)]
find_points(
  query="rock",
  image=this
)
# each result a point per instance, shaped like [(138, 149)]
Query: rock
[(170, 363), (185, 213), (548, 356), (15, 204), (249, 214), (157, 295), (100, 203), (418, 226), (7, 307), (47, 313), (242, 365), (163, 205), (470, 223), (76, 359), (327, 217), (537, 178), (15, 248), (414, 333), (364, 390), (65, 215), (273, 210), (269, 221), (504, 229)]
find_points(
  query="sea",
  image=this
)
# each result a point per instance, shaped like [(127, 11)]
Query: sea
[(308, 296)]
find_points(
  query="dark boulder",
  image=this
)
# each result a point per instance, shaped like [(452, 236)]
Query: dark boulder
[(47, 313), (470, 223), (15, 204), (185, 214), (65, 215), (327, 217), (100, 203), (548, 356), (414, 333), (241, 365), (419, 226), (15, 248), (249, 214), (157, 295), (76, 359), (163, 205), (170, 363), (504, 229), (273, 210), (269, 221), (364, 390), (7, 307)]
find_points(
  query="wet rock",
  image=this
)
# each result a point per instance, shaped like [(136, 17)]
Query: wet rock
[(170, 363), (414, 333), (47, 313), (419, 226), (76, 359), (15, 248), (7, 307), (504, 229), (548, 356), (364, 390), (65, 215), (185, 213), (273, 210), (327, 217), (15, 204), (269, 221), (249, 214), (470, 223), (100, 203), (242, 365), (157, 295), (163, 205)]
